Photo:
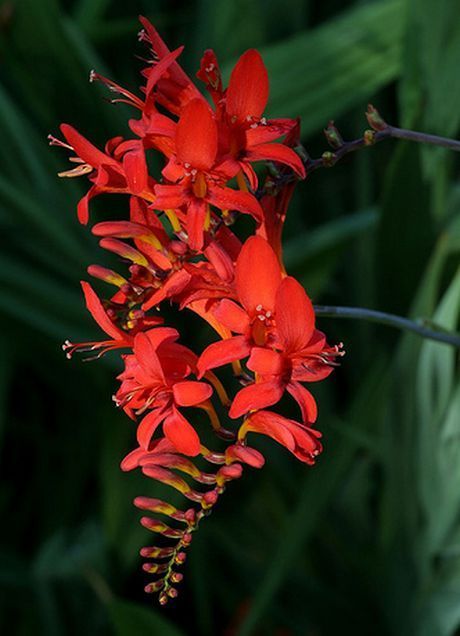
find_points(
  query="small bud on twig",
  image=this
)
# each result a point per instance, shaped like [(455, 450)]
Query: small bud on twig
[(328, 158), (334, 138), (369, 137), (376, 121)]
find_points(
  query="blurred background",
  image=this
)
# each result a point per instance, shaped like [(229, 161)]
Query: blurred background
[(368, 541)]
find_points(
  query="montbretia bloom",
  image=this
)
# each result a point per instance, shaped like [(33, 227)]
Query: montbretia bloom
[(155, 385), (199, 175)]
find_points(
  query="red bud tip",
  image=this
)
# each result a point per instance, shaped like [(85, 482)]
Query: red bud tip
[(163, 598), (180, 558)]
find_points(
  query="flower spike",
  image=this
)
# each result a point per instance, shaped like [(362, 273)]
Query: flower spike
[(177, 245)]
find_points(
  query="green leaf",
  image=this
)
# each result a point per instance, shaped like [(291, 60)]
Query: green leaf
[(130, 619), (405, 232), (311, 504), (322, 73), (313, 255), (89, 12), (438, 436)]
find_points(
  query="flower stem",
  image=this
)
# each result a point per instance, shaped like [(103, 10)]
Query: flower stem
[(391, 320), (380, 131)]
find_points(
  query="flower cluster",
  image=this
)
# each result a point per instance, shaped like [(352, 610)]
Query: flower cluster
[(179, 246)]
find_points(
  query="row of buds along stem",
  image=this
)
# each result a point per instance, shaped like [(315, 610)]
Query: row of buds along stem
[(166, 559)]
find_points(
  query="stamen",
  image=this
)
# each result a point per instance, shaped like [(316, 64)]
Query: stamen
[(54, 141)]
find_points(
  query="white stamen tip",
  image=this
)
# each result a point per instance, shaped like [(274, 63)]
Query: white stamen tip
[(259, 308)]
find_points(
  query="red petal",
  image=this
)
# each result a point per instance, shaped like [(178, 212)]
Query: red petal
[(196, 216), (250, 175), (131, 460), (295, 317), (274, 426), (256, 396), (147, 357), (265, 361), (220, 260), (174, 285), (223, 352), (258, 275), (160, 68), (120, 229), (162, 336), (148, 426), (173, 171), (140, 213), (85, 149), (273, 129), (161, 50), (135, 168), (305, 400), (246, 454), (229, 199), (247, 92), (181, 434), (190, 393), (99, 314), (196, 135), (161, 125), (168, 197), (83, 204), (300, 440), (232, 316), (278, 153)]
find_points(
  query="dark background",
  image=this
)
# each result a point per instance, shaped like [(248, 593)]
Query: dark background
[(368, 541)]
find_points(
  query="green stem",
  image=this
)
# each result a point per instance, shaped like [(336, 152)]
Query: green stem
[(371, 315)]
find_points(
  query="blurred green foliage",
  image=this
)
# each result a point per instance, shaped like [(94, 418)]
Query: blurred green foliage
[(367, 542)]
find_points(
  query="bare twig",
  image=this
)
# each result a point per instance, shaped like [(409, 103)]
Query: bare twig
[(391, 320)]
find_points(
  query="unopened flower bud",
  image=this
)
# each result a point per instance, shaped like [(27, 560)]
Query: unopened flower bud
[(334, 138), (375, 120)]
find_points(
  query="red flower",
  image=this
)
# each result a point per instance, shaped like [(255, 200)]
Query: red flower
[(257, 278), (154, 380), (118, 337), (301, 440), (126, 174), (248, 133), (299, 354), (200, 180)]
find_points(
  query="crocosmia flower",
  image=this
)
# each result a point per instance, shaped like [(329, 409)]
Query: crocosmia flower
[(177, 245)]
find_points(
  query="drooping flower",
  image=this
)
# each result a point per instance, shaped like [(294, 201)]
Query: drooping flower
[(302, 441)]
